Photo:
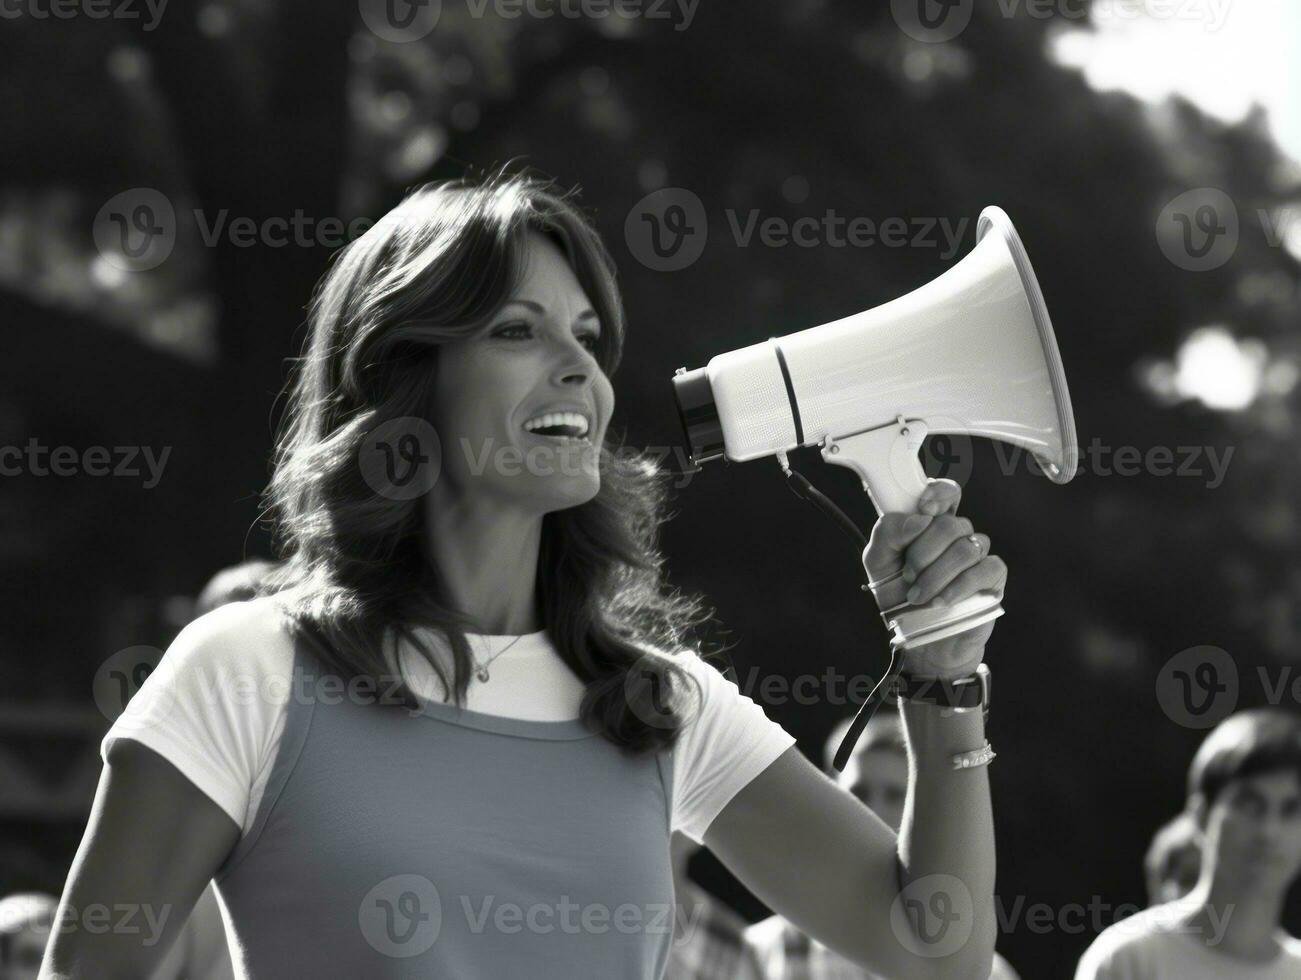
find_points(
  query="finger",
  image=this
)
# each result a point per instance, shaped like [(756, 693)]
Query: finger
[(990, 575), (933, 542), (962, 554), (891, 536), (940, 497)]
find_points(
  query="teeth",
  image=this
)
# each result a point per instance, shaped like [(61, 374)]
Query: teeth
[(578, 422)]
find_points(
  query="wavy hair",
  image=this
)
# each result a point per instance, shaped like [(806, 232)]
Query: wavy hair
[(431, 271)]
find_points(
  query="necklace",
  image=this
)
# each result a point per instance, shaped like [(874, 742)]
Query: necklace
[(481, 670)]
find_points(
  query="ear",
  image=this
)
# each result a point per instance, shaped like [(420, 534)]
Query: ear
[(1199, 809)]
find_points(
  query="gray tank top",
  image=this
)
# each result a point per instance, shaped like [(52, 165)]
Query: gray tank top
[(449, 843)]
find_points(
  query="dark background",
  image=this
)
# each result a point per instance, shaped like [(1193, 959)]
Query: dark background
[(264, 109)]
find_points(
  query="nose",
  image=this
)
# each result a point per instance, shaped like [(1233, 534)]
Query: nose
[(574, 365)]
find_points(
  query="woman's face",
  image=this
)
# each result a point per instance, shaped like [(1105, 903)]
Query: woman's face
[(535, 357)]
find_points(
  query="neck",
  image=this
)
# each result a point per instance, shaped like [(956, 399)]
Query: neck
[(1238, 918), (487, 557)]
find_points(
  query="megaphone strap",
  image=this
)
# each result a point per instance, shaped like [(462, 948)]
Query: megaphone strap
[(867, 710)]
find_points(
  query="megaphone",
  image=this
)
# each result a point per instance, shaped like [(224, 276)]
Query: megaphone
[(970, 353)]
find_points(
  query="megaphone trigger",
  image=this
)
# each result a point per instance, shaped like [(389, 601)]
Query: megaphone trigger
[(886, 460)]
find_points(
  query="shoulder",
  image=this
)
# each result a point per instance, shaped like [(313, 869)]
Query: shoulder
[(1134, 942), (220, 658), (252, 634)]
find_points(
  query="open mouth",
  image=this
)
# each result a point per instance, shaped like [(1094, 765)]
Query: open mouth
[(569, 426)]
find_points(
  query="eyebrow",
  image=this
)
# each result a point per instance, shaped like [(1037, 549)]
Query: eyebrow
[(588, 314)]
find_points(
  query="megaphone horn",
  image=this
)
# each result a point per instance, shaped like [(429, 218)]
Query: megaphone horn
[(975, 344)]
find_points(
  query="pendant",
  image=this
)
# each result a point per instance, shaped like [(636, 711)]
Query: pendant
[(482, 674)]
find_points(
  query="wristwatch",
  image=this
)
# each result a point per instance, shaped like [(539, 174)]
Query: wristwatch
[(963, 694)]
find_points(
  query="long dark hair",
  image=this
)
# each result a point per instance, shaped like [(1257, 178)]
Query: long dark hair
[(430, 271)]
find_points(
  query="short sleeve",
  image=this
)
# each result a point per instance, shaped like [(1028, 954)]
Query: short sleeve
[(728, 742), (214, 703), (1107, 959)]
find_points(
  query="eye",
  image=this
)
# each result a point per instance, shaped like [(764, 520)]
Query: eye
[(519, 325), (593, 341)]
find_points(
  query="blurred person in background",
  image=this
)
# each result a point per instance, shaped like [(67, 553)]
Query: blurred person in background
[(26, 919), (1173, 862), (708, 937), (236, 583), (1244, 796), (877, 775), (526, 716), (200, 951)]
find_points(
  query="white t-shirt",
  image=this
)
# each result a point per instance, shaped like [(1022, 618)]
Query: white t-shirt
[(1155, 944), (215, 708)]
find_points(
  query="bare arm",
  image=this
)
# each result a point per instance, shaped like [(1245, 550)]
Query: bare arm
[(819, 857), (920, 905), (152, 844)]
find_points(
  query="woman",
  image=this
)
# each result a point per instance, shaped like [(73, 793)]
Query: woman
[(517, 722)]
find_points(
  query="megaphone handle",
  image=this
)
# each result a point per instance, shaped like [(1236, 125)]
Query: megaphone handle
[(887, 461)]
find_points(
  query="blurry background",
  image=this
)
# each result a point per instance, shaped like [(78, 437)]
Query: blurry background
[(136, 313)]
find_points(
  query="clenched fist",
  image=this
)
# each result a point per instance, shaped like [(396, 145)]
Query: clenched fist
[(942, 558)]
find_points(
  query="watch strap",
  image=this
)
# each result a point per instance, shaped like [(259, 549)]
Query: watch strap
[(972, 691)]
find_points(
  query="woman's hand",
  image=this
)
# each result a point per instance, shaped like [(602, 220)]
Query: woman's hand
[(941, 557)]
